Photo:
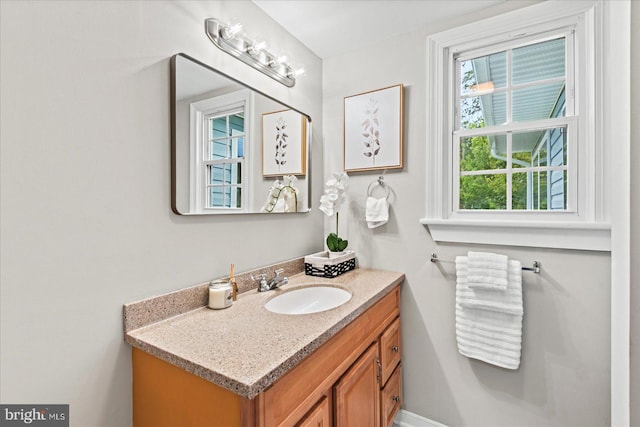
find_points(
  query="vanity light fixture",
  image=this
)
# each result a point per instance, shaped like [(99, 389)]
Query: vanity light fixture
[(231, 40)]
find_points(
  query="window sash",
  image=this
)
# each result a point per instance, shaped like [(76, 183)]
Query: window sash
[(570, 166), (230, 134), (223, 185), (568, 33)]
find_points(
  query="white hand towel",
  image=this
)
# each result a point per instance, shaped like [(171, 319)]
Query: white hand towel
[(487, 270), (489, 323), (376, 212)]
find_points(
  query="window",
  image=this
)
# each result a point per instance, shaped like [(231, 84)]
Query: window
[(219, 152), (512, 124), (514, 149), (223, 159)]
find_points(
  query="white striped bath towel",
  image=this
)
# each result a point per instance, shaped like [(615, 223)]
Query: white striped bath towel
[(489, 322), (487, 270)]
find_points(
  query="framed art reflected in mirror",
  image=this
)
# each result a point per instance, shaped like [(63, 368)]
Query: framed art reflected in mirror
[(284, 143)]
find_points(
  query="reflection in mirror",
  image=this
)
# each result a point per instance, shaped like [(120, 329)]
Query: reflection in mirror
[(234, 149)]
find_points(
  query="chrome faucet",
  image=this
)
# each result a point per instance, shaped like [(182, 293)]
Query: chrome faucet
[(276, 281)]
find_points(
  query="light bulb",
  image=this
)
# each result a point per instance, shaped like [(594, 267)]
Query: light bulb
[(231, 31), (296, 72), (278, 60), (255, 47)]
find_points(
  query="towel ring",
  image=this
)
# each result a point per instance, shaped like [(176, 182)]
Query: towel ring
[(380, 182)]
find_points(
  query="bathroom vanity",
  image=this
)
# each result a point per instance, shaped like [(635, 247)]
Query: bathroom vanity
[(247, 366)]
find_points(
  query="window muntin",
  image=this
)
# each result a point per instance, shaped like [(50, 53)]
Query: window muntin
[(511, 125), (223, 158)]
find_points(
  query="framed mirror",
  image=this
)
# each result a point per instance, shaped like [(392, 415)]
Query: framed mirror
[(234, 149)]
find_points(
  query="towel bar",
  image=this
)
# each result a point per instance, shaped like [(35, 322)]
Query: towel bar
[(535, 268)]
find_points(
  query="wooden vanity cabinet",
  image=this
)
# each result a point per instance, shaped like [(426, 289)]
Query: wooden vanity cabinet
[(356, 369), (354, 379)]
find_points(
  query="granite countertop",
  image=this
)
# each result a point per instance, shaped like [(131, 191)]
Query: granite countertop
[(245, 348)]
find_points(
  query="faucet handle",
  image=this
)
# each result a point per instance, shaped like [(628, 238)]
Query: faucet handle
[(278, 271), (262, 278), (262, 281)]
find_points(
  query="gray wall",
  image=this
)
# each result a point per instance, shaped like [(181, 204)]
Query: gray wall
[(635, 214), (86, 222), (564, 378)]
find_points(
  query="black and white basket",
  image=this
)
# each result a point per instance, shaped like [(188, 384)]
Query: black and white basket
[(322, 265)]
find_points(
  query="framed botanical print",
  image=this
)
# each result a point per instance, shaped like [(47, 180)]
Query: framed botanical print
[(373, 130), (284, 135)]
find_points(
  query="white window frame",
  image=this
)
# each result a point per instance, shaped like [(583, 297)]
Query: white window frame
[(199, 113), (586, 225)]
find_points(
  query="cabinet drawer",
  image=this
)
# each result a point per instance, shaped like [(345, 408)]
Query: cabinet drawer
[(391, 397), (390, 349)]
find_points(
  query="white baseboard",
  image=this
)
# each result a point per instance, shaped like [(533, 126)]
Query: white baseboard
[(409, 419)]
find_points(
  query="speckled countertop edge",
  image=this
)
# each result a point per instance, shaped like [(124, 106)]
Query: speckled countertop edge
[(245, 348)]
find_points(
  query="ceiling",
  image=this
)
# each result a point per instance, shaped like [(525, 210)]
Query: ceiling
[(331, 27)]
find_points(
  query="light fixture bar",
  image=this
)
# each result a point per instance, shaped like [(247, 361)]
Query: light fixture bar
[(228, 40)]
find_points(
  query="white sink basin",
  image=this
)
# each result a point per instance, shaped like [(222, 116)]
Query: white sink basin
[(312, 299)]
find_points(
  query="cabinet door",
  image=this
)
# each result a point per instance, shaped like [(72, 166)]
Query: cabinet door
[(391, 397), (390, 349), (357, 393), (319, 416)]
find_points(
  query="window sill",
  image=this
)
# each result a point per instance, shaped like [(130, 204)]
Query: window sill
[(561, 235)]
